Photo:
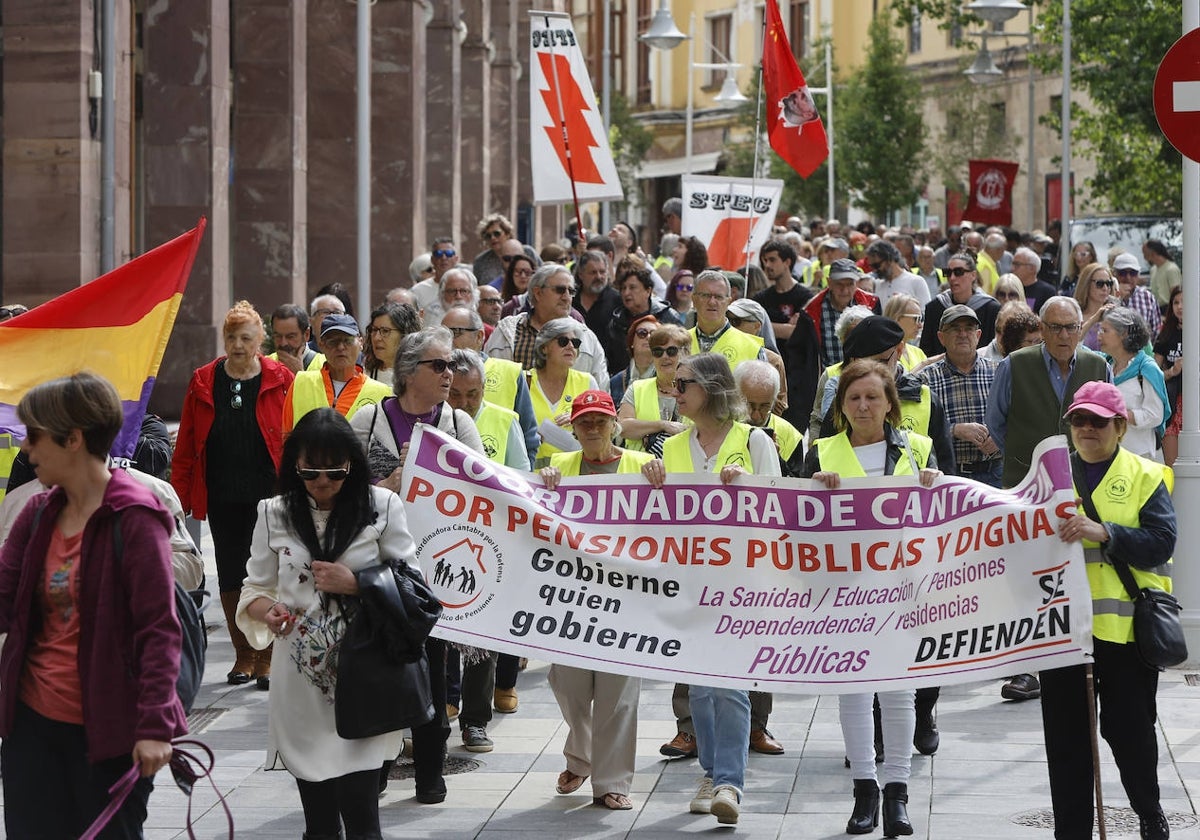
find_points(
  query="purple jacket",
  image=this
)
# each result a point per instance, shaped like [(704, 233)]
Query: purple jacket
[(129, 636)]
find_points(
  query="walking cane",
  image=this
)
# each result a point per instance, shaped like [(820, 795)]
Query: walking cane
[(1091, 701)]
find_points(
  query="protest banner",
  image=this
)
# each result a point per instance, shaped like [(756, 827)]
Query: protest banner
[(767, 583), (731, 216)]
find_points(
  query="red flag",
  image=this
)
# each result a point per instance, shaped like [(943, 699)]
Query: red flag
[(990, 188), (793, 125)]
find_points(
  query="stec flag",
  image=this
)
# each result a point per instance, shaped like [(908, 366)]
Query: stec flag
[(793, 125), (117, 326), (991, 186)]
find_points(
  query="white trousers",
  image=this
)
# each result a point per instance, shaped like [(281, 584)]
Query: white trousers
[(899, 718), (600, 711)]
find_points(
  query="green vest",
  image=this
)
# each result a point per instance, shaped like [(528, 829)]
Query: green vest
[(577, 382), (735, 449), (1034, 412), (8, 453), (786, 435), (837, 455), (308, 394), (493, 423), (1128, 484), (500, 381), (568, 463), (735, 345)]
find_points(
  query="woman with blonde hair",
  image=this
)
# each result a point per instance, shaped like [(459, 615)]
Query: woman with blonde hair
[(226, 459), (907, 311), (1096, 294)]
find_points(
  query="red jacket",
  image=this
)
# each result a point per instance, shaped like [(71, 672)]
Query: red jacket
[(129, 637), (188, 465), (813, 307)]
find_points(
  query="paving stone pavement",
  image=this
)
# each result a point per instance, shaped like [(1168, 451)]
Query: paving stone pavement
[(988, 779)]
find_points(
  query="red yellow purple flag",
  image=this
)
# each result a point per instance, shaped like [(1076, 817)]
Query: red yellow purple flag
[(116, 326), (793, 125)]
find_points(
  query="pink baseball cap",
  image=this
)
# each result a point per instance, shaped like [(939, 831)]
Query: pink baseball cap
[(1100, 398)]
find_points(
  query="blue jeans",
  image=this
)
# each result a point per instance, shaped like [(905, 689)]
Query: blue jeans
[(722, 720), (991, 476)]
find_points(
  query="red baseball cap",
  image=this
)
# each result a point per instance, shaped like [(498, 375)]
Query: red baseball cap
[(593, 402)]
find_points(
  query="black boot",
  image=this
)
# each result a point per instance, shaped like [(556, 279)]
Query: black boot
[(926, 737), (1155, 827), (865, 816), (895, 810)]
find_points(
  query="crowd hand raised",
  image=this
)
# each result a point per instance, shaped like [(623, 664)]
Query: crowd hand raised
[(334, 578)]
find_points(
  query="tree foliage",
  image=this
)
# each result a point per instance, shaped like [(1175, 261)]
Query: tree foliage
[(630, 141), (882, 133), (973, 130)]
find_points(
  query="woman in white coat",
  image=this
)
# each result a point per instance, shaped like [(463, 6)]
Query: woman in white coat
[(327, 523)]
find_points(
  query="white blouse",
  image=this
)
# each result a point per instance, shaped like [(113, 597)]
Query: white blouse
[(301, 734)]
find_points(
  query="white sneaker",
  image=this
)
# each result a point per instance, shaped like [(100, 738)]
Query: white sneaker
[(702, 801), (724, 805)]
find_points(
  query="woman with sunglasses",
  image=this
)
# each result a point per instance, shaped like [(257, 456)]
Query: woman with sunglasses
[(92, 655), (421, 380), (514, 291), (553, 383), (1130, 518), (1008, 287), (907, 311), (326, 524), (641, 360), (1082, 255), (866, 413), (1096, 294), (647, 413), (389, 323), (600, 709), (719, 441), (226, 455), (691, 258)]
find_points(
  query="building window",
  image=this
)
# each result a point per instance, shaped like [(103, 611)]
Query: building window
[(798, 28), (645, 13), (914, 33), (720, 37)]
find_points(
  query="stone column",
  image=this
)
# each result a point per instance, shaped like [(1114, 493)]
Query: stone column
[(443, 130), (505, 75), (476, 147), (186, 96), (51, 197), (270, 233)]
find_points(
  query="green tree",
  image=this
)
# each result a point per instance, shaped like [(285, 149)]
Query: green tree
[(882, 131), (1137, 170)]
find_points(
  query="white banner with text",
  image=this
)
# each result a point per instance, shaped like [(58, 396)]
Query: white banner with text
[(771, 584)]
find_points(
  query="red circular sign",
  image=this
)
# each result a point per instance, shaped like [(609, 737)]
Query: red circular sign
[(1177, 95)]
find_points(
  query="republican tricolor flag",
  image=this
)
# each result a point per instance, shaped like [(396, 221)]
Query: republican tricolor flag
[(793, 125), (117, 326)]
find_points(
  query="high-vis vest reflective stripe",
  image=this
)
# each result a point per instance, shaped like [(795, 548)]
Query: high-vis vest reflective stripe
[(309, 393), (1119, 497), (500, 381), (568, 463), (837, 455), (786, 435), (577, 383), (494, 423), (735, 449), (735, 345)]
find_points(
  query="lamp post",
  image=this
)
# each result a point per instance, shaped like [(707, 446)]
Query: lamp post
[(984, 70)]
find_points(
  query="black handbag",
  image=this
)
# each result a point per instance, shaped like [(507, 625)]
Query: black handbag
[(382, 672), (1157, 631)]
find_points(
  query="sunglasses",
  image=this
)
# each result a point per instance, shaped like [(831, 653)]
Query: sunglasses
[(680, 385), (684, 287), (562, 290), (642, 333), (563, 341), (958, 272), (443, 253), (1078, 420), (508, 258), (324, 312), (1128, 272), (235, 388), (457, 331), (439, 366), (493, 234), (1104, 284), (657, 352), (334, 474)]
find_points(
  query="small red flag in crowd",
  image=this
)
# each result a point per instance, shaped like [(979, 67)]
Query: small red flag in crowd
[(793, 125), (990, 190)]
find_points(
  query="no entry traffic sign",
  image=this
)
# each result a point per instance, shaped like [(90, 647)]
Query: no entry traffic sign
[(1177, 95)]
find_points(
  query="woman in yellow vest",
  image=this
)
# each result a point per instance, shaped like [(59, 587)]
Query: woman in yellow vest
[(907, 311), (718, 442), (865, 412), (1132, 499), (600, 709), (648, 405), (553, 383)]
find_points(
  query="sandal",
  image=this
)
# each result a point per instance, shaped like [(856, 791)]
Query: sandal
[(614, 802), (568, 782)]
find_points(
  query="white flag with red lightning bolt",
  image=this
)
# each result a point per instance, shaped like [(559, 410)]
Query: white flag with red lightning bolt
[(571, 158)]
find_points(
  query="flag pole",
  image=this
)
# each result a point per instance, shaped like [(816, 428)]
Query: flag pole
[(1091, 698), (754, 172), (562, 121)]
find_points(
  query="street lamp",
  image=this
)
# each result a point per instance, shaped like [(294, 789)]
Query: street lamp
[(663, 34), (983, 70)]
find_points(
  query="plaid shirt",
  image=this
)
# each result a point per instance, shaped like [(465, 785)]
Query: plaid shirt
[(964, 399), (523, 351), (831, 348), (1143, 302)]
